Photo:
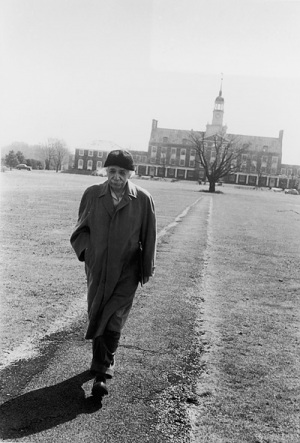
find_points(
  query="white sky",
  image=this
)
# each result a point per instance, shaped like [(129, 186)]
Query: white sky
[(103, 69)]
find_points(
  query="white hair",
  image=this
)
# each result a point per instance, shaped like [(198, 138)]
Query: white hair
[(103, 172)]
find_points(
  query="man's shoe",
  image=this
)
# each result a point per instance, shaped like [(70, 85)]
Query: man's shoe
[(99, 387)]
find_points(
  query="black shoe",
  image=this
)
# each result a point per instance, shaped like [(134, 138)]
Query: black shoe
[(99, 387)]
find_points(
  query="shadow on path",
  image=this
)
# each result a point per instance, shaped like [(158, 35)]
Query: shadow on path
[(46, 408)]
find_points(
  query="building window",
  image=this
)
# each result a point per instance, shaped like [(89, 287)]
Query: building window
[(89, 165), (90, 153), (298, 172), (80, 163), (253, 165), (192, 158), (182, 157), (184, 141), (242, 179), (264, 161), (152, 159), (100, 154), (290, 172), (81, 152), (162, 159), (283, 171), (212, 155), (165, 139), (144, 159), (99, 164)]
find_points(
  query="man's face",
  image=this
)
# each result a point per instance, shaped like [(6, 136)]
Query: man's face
[(117, 177)]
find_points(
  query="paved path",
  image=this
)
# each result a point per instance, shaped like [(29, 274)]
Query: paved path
[(48, 398)]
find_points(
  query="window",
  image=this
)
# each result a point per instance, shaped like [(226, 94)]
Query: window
[(165, 139), (80, 163), (90, 165), (192, 158), (212, 155), (81, 152), (90, 153), (173, 156), (171, 172), (99, 164), (289, 172), (144, 159), (100, 154), (264, 160), (244, 158), (182, 157), (298, 172), (184, 141), (283, 171), (253, 166)]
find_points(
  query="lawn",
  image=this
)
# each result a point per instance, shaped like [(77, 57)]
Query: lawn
[(40, 272), (246, 288)]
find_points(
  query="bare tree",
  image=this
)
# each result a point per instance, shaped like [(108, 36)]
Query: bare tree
[(60, 153), (218, 155), (47, 154), (54, 153)]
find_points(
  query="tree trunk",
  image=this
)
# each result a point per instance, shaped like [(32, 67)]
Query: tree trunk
[(212, 187)]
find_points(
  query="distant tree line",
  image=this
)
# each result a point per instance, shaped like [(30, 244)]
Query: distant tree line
[(50, 156)]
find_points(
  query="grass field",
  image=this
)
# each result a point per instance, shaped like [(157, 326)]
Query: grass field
[(248, 324), (40, 272)]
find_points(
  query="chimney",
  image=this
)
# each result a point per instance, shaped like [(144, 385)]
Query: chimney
[(154, 124)]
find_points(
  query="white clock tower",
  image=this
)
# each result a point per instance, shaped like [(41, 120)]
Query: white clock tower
[(218, 113)]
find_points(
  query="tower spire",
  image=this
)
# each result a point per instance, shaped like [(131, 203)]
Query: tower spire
[(220, 93)]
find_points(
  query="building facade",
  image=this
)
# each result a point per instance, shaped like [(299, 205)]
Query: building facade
[(91, 157), (171, 154)]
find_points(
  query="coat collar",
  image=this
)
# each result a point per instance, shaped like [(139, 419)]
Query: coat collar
[(130, 190)]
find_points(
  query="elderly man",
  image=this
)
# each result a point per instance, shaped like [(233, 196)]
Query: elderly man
[(116, 238)]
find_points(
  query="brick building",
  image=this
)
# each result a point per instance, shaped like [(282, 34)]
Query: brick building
[(171, 154), (92, 156)]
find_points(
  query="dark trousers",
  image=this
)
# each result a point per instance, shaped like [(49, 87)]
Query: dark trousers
[(105, 345), (104, 348)]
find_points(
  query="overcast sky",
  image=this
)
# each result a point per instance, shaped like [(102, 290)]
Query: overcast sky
[(83, 70)]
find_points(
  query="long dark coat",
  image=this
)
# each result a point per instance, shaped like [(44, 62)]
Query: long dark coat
[(108, 239)]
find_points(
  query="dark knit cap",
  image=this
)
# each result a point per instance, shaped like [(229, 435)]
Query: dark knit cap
[(120, 158)]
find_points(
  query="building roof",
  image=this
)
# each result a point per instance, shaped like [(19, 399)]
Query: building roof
[(99, 145), (173, 135), (255, 142)]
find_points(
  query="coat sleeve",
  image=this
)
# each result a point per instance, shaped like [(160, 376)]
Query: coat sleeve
[(81, 235), (148, 240)]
